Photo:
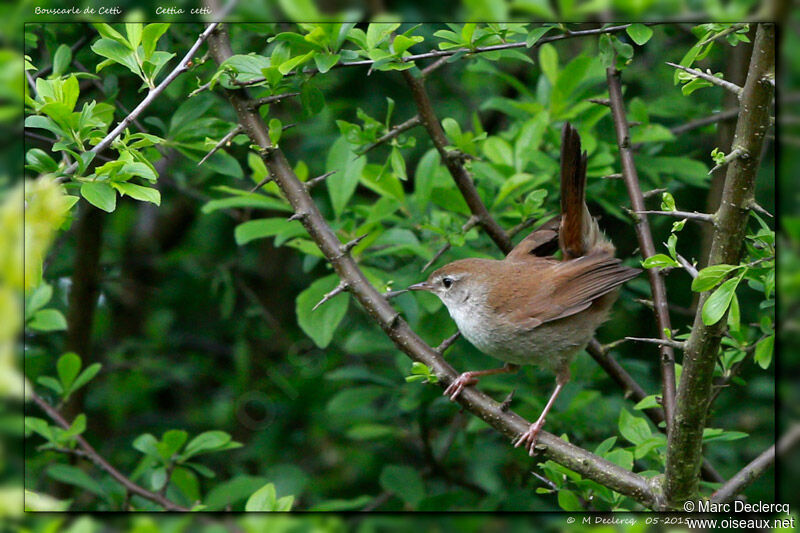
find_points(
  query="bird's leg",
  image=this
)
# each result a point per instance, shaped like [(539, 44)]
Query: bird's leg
[(466, 379), (529, 437)]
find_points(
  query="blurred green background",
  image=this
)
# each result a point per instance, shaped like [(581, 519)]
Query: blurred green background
[(203, 353)]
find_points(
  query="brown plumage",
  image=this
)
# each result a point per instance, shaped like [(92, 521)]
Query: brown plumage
[(531, 307)]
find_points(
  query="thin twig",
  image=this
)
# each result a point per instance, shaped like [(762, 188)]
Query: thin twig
[(645, 238), (392, 133), (447, 343), (687, 266), (222, 142), (104, 465), (728, 86), (468, 225), (456, 167), (732, 156), (436, 54), (691, 215), (742, 479), (150, 98), (728, 114), (723, 33), (274, 99), (661, 342)]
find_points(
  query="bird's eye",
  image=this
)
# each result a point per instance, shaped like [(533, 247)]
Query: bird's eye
[(447, 282)]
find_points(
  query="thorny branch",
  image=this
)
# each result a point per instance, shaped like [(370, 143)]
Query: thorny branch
[(645, 237), (684, 446), (378, 308), (454, 165), (104, 465)]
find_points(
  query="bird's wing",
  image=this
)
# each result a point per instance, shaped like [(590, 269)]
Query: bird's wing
[(574, 285)]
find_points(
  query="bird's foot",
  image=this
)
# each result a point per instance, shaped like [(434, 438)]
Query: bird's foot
[(530, 437), (463, 380)]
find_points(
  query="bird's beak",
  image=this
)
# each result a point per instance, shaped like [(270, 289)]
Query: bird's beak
[(424, 286)]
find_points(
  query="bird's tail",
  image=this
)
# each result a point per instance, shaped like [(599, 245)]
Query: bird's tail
[(579, 233)]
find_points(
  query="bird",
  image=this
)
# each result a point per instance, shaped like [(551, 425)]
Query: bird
[(533, 307)]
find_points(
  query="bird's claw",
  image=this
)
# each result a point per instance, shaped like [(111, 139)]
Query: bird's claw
[(530, 437), (463, 380)]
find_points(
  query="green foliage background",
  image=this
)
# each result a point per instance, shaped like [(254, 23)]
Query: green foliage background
[(198, 333)]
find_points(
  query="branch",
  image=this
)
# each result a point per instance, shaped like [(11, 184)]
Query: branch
[(742, 479), (645, 237), (661, 342), (376, 306), (150, 98), (222, 142), (392, 133), (736, 153), (705, 121), (684, 445), (728, 86), (274, 99), (468, 225), (104, 465), (687, 266), (439, 54), (631, 388), (456, 168), (691, 215)]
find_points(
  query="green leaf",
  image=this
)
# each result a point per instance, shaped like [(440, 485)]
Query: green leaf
[(137, 192), (275, 130), (709, 277), (339, 505), (40, 161), (86, 376), (289, 65), (210, 441), (404, 482), (348, 167), (38, 299), (325, 62), (648, 402), (171, 443), (264, 499), (312, 99), (117, 53), (68, 366), (634, 429), (716, 304), (100, 195), (639, 33), (764, 350), (61, 59), (40, 426), (535, 34), (48, 320), (147, 444), (261, 228), (548, 62), (230, 492), (134, 31), (321, 323), (110, 33), (659, 260), (568, 501), (73, 475), (398, 163), (667, 202), (150, 36), (51, 383)]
